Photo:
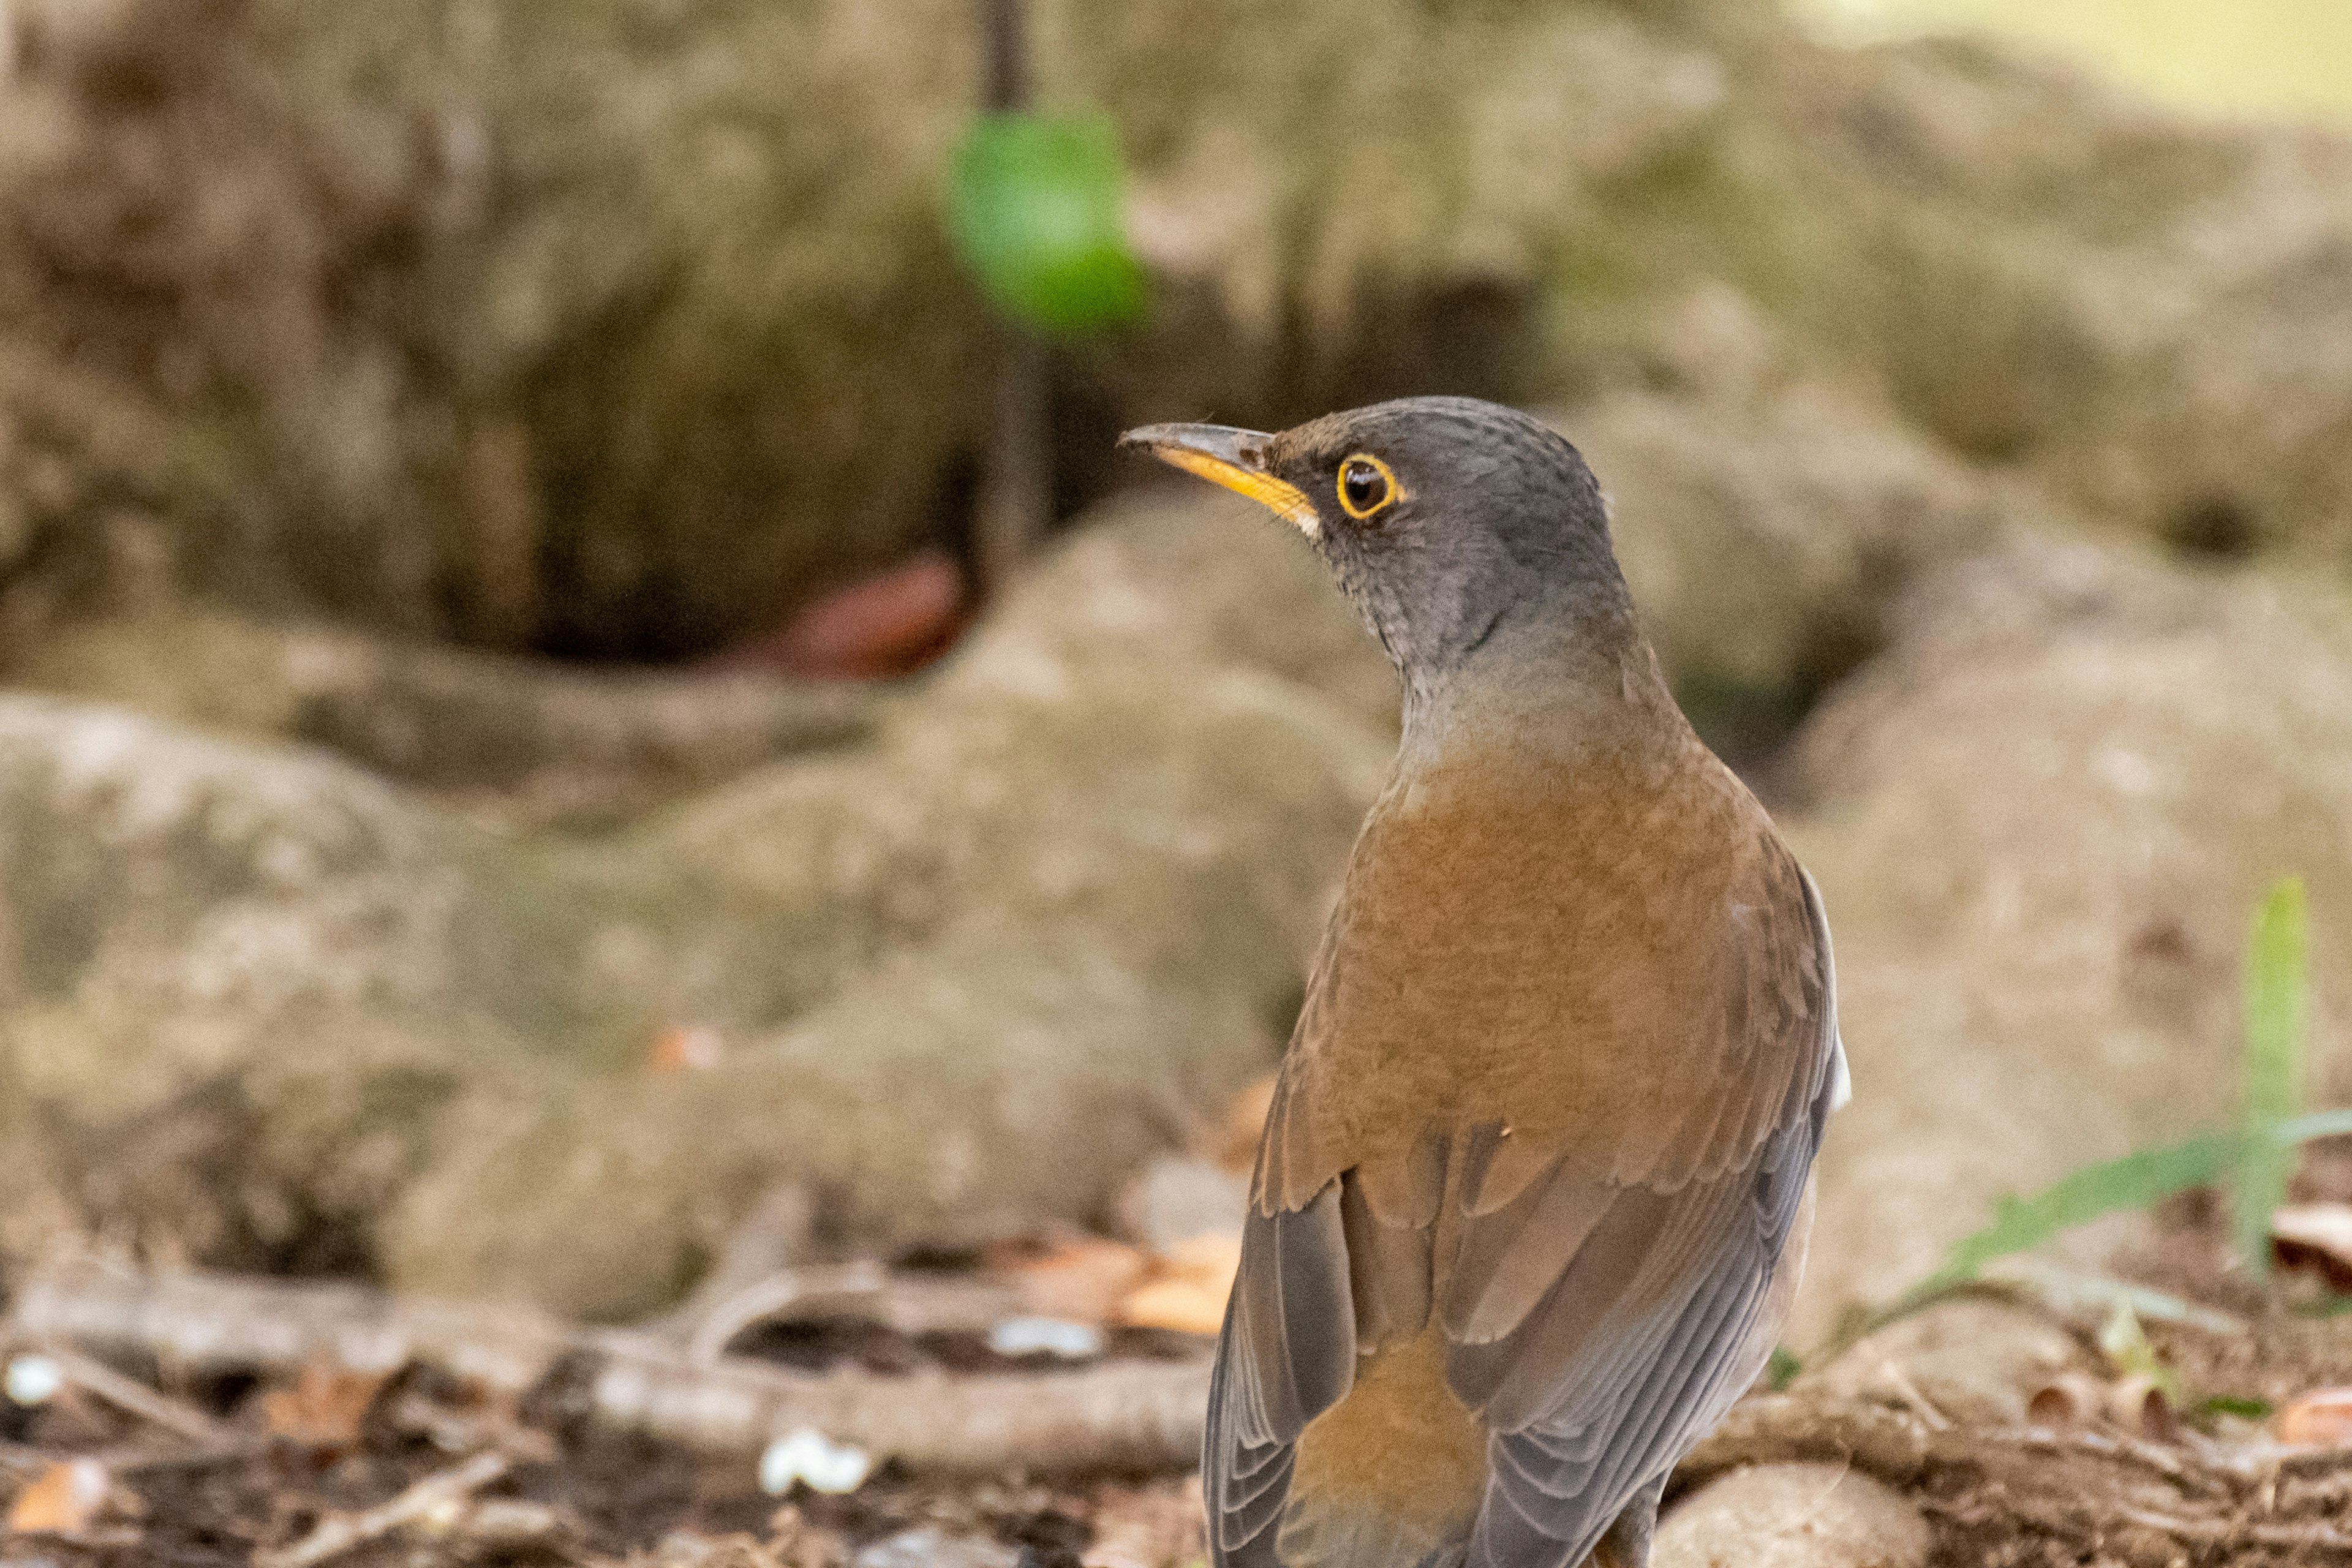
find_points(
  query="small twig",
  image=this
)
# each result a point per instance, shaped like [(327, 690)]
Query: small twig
[(2239, 1532), (2051, 1440), (338, 1533), (1142, 1415), (1921, 1405), (175, 1416)]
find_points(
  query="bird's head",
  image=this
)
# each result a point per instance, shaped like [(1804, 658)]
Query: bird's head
[(1462, 530)]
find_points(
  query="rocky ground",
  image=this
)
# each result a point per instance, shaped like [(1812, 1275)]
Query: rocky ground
[(1999, 1426)]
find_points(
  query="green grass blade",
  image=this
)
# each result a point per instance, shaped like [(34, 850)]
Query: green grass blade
[(2277, 1004), (2134, 1182)]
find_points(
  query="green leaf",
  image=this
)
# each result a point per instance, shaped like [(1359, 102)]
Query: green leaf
[(2277, 1007), (1035, 207), (2134, 1182), (2232, 1404), (1781, 1368)]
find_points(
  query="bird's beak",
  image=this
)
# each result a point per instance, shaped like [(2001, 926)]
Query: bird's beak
[(1233, 458)]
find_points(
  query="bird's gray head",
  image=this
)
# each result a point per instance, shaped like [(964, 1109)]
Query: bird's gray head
[(1460, 528)]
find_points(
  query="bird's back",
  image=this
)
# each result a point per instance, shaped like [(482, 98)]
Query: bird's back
[(1525, 1182)]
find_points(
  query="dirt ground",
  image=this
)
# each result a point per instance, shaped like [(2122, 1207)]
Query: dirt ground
[(425, 1469)]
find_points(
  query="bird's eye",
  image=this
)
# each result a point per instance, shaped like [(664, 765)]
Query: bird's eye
[(1365, 486)]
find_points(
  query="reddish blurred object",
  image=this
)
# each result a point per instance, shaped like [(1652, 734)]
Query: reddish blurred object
[(324, 1407), (65, 1498), (2316, 1236), (686, 1047), (1076, 1278), (2321, 1419), (889, 625), (1187, 1288)]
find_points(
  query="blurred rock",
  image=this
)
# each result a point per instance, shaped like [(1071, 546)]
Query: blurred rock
[(540, 739), (1180, 575), (2041, 823), (958, 980), (1793, 1515), (2150, 310), (1771, 515), (1066, 899)]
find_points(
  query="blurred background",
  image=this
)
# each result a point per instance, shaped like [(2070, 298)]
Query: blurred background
[(579, 664)]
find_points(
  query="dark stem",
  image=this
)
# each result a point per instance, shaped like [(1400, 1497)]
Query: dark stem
[(1016, 479), (1006, 90), (1016, 472)]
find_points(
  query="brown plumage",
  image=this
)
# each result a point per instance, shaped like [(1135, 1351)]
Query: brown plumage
[(1530, 1199)]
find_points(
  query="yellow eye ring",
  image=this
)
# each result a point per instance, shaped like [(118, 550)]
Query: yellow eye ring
[(1366, 486)]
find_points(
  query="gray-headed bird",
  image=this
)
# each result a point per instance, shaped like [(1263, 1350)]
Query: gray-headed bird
[(1532, 1197)]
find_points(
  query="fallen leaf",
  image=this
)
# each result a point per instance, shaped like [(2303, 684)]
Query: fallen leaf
[(2322, 1418), (1078, 1278), (324, 1406), (1157, 1525), (2142, 1405), (1187, 1288), (2314, 1235), (891, 624), (64, 1497), (2068, 1399), (686, 1047)]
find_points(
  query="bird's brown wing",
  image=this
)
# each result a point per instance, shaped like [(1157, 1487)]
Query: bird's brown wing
[(1598, 1280)]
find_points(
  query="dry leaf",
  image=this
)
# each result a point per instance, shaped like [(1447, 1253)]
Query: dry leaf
[(2322, 1418), (891, 624), (2068, 1399), (2141, 1405), (1153, 1526), (1080, 1279), (65, 1498), (1188, 1287), (324, 1406), (686, 1047), (2316, 1235)]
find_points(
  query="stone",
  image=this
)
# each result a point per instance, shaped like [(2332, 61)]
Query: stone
[(2041, 823), (535, 739), (1792, 1516), (267, 1009), (1770, 514)]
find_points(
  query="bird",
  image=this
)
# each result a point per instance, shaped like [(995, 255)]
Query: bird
[(1533, 1192)]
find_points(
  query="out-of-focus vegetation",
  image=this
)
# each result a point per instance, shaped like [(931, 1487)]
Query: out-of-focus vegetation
[(1037, 210)]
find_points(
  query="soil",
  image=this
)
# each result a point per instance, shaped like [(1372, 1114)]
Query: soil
[(2205, 1485)]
